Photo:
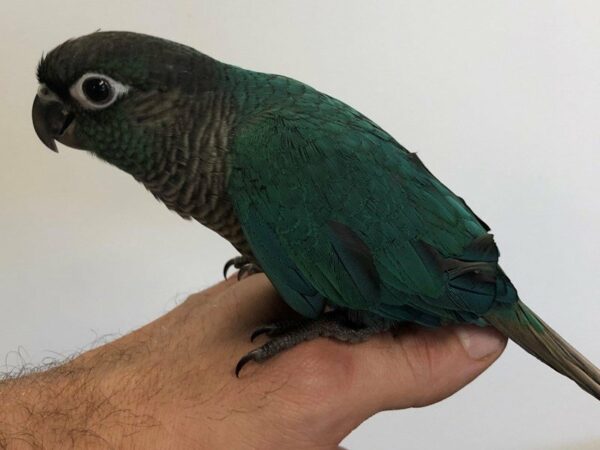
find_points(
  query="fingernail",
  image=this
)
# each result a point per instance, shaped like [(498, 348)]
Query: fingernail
[(480, 342)]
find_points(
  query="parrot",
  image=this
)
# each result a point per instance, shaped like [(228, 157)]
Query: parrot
[(353, 231)]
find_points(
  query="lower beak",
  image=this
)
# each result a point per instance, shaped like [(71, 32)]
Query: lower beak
[(50, 120)]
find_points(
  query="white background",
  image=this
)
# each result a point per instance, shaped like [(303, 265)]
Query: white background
[(500, 98)]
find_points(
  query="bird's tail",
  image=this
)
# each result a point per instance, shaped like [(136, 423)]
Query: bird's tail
[(524, 327)]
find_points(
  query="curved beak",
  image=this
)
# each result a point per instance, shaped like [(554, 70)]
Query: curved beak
[(50, 120)]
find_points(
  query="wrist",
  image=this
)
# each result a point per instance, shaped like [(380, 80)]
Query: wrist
[(75, 405)]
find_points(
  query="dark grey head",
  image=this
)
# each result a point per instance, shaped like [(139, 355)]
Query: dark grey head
[(123, 96)]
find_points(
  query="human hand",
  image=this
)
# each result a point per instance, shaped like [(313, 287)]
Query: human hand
[(171, 384)]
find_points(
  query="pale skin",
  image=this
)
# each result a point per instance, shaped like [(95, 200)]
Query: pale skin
[(171, 385)]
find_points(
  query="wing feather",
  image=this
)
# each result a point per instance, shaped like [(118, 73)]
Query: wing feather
[(351, 211)]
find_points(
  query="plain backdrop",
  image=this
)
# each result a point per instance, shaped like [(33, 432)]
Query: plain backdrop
[(500, 99)]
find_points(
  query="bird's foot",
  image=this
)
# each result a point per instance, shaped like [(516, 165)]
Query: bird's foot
[(287, 334), (243, 264)]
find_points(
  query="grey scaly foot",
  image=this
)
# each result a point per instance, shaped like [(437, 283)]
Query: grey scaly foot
[(285, 335), (242, 263)]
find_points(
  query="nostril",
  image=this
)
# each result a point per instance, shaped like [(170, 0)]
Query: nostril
[(46, 94)]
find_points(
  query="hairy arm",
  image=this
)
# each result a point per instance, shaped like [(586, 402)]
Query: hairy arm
[(170, 384)]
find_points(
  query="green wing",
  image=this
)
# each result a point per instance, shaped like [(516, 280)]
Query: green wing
[(335, 209)]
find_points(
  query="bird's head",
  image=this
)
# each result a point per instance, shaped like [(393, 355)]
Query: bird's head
[(120, 95)]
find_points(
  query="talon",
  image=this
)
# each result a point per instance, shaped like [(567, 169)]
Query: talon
[(242, 362), (248, 269), (228, 266), (260, 331)]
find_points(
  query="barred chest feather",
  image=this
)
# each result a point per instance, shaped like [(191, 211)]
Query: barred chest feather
[(191, 178)]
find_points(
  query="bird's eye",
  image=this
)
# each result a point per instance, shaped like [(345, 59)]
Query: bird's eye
[(96, 91)]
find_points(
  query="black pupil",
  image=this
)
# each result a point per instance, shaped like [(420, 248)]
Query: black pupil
[(96, 89)]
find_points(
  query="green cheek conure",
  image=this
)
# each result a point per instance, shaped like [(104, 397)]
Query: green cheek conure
[(350, 227)]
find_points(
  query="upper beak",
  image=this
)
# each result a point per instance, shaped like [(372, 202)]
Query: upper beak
[(50, 120)]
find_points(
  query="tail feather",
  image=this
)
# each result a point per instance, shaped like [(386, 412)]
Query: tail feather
[(524, 327)]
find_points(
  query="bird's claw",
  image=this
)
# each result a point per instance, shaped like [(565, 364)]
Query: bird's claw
[(248, 269), (260, 331), (279, 341), (251, 356), (269, 330), (227, 266), (275, 329), (244, 266)]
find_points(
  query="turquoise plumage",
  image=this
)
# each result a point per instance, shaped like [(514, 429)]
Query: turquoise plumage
[(357, 216)]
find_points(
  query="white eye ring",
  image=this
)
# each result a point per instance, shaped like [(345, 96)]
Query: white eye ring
[(115, 90)]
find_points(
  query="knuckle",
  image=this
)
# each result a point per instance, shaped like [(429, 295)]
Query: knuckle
[(420, 359)]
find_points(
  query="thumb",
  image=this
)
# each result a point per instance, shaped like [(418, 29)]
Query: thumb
[(416, 368), (431, 365)]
